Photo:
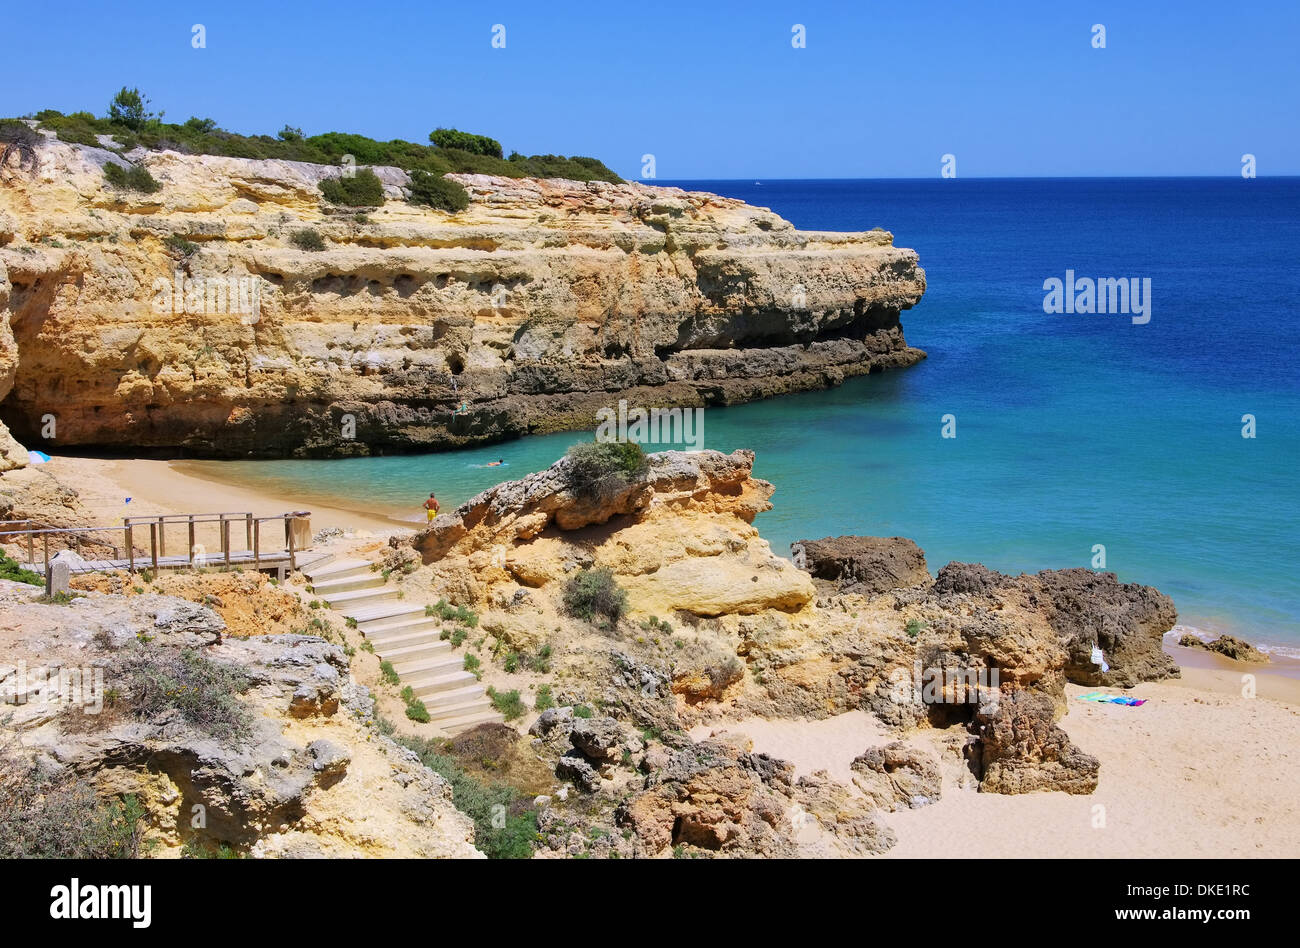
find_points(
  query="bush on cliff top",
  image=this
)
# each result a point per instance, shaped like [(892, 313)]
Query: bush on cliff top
[(437, 192), (130, 126), (474, 144), (363, 189), (598, 468)]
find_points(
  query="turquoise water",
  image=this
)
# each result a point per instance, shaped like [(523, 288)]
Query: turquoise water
[(1072, 430)]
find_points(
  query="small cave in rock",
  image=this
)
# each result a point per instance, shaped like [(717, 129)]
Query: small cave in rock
[(455, 362)]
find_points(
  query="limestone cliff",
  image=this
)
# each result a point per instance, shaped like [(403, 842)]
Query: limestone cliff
[(188, 318)]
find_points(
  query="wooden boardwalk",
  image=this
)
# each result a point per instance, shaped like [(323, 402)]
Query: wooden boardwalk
[(283, 549)]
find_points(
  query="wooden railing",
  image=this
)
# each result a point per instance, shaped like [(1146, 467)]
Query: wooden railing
[(157, 528)]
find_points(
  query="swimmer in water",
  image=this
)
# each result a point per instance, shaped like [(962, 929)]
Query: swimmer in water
[(496, 463)]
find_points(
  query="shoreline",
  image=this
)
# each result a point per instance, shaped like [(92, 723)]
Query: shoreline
[(179, 486), (159, 487)]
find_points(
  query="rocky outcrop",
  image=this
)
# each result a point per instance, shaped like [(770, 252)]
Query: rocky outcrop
[(263, 744), (865, 565), (1020, 749), (1085, 611), (539, 305), (684, 540), (1229, 646), (897, 775)]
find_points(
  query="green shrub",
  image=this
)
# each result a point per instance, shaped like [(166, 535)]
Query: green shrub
[(205, 693), (390, 674), (582, 711), (914, 627), (307, 239), (449, 613), (511, 662), (593, 593), (129, 108), (484, 804), (508, 703), (179, 245), (541, 659), (363, 189), (475, 665), (415, 709), (543, 700), (465, 141), (436, 191), (11, 570), (49, 816), (134, 178), (131, 124), (598, 468)]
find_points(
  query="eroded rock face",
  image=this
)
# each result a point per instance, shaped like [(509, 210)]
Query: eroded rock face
[(1085, 610), (684, 540), (293, 770), (898, 775), (866, 565), (1020, 749), (540, 304)]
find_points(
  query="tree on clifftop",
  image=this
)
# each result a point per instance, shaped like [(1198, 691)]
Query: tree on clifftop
[(129, 108), (465, 141)]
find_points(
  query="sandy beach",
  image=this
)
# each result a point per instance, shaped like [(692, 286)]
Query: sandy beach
[(158, 487), (1198, 770)]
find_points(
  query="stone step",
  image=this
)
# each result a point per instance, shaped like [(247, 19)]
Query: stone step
[(388, 632), (464, 724), (335, 569), (413, 651), (457, 696), (388, 613), (414, 669), (361, 598), (450, 712), (448, 681), (347, 584)]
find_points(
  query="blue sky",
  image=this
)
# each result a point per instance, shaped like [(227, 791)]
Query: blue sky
[(712, 90)]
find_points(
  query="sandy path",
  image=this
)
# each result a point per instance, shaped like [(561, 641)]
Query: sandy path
[(1198, 770)]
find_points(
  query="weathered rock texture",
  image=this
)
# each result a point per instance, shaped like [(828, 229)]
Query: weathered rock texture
[(541, 303), (307, 777)]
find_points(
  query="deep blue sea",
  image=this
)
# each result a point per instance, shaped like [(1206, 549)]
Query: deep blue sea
[(1072, 430)]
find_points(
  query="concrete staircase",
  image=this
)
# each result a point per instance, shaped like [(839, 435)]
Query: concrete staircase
[(403, 635)]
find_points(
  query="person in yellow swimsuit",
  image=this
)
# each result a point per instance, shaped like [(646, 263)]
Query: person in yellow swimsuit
[(430, 507)]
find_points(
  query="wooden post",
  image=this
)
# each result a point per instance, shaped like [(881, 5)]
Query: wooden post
[(31, 548), (130, 550), (257, 544), (45, 538), (288, 524), (153, 546), (162, 537), (248, 531), (225, 538), (191, 541)]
